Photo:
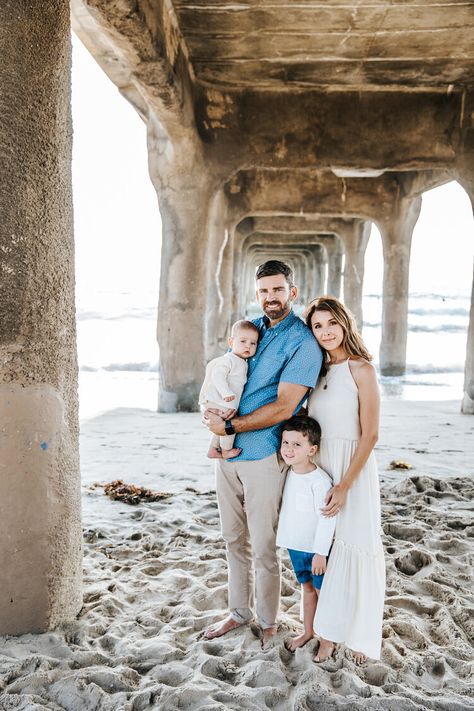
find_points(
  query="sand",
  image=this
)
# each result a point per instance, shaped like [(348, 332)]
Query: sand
[(155, 577)]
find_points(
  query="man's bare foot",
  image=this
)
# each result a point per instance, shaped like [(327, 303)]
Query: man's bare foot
[(230, 453), (221, 628), (326, 651), (358, 657), (214, 453), (295, 642), (268, 637)]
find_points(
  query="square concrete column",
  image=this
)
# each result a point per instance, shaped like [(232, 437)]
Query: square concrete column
[(40, 528), (467, 407), (356, 238), (396, 231), (335, 254), (186, 192)]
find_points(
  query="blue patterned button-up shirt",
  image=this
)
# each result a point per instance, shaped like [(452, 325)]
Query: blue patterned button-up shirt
[(286, 353)]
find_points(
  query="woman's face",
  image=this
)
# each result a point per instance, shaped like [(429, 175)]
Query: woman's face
[(327, 331)]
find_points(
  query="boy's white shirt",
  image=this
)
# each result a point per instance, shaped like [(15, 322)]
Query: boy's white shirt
[(302, 526), (225, 376)]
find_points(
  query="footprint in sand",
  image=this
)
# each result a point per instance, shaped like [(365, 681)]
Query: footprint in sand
[(262, 673), (404, 533), (220, 669), (171, 674), (412, 562), (409, 634), (376, 674)]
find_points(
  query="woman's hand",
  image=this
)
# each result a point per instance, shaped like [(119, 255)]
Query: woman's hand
[(335, 500), (318, 564)]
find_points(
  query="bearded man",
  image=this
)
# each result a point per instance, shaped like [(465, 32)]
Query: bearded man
[(285, 366)]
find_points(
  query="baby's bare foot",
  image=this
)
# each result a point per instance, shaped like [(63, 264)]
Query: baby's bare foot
[(300, 641), (325, 651), (230, 453), (214, 453)]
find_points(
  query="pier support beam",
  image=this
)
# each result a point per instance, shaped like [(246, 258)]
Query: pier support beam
[(356, 238), (396, 233), (467, 406), (185, 193), (335, 254), (40, 527), (467, 181)]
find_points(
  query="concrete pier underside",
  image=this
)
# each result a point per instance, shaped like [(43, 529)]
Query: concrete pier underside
[(288, 110), (273, 128)]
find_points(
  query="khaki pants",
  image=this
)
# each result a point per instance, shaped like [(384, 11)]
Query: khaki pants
[(250, 534)]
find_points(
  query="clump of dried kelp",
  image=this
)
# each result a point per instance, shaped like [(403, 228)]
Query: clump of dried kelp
[(133, 494)]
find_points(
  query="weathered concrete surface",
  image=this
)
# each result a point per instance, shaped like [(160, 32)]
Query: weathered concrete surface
[(282, 45), (40, 532)]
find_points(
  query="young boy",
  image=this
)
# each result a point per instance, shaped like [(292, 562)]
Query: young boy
[(302, 528), (224, 382)]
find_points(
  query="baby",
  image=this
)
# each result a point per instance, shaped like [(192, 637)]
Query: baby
[(224, 382), (302, 528)]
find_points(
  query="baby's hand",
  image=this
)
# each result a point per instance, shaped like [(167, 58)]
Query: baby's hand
[(318, 564), (229, 398)]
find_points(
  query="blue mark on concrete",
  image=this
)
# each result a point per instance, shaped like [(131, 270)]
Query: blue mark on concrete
[(44, 446)]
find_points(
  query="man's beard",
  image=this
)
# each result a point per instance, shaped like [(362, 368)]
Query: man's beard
[(275, 314)]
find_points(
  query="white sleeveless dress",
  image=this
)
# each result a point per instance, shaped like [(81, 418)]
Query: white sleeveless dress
[(350, 606)]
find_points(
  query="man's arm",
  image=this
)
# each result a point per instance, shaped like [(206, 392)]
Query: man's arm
[(288, 397)]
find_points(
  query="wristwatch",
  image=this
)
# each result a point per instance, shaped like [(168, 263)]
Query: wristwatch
[(229, 430)]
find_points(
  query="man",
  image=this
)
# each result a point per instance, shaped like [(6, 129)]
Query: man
[(285, 366)]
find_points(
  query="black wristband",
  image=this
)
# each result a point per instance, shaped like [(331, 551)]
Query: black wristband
[(229, 430)]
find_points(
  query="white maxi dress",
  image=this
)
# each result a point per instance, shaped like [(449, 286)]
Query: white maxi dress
[(350, 606)]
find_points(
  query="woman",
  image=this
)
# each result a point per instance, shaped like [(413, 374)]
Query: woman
[(346, 404)]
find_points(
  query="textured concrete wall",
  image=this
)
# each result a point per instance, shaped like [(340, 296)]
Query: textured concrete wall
[(40, 533)]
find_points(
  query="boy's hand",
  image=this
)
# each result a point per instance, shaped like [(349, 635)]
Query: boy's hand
[(318, 564), (229, 398)]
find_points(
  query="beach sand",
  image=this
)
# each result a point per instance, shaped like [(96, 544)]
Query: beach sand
[(155, 577)]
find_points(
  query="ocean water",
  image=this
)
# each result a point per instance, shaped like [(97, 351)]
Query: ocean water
[(118, 353)]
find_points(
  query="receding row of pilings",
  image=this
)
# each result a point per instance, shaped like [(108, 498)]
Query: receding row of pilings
[(213, 196), (259, 216)]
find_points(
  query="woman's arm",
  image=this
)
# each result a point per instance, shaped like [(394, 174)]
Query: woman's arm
[(369, 413)]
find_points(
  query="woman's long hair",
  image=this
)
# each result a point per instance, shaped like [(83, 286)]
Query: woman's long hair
[(351, 340)]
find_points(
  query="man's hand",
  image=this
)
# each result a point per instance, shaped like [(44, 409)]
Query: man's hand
[(318, 564), (215, 420)]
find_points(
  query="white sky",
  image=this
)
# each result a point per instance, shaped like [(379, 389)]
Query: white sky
[(117, 222)]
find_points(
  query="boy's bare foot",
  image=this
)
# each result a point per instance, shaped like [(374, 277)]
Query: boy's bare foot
[(326, 651), (214, 453), (221, 628), (295, 642), (268, 636), (230, 453), (358, 657)]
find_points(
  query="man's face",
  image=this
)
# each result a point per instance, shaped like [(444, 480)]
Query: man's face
[(275, 296)]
